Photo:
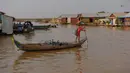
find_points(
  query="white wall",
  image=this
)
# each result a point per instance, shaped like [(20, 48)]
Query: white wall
[(68, 20), (7, 24), (114, 22)]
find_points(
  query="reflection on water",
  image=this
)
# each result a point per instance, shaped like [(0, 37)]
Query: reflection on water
[(120, 28), (7, 54), (29, 36), (50, 61)]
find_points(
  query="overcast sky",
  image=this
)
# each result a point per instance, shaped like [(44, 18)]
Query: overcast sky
[(51, 8)]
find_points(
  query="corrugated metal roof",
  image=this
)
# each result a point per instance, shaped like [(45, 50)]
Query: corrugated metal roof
[(69, 15), (2, 12), (127, 15), (96, 14), (90, 15), (120, 14), (104, 14)]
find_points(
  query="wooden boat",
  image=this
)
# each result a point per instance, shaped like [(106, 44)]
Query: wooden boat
[(42, 27), (23, 28), (46, 47)]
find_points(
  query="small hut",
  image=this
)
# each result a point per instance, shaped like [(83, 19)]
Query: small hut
[(6, 23), (114, 18), (125, 19)]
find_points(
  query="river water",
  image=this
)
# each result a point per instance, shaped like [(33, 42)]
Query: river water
[(106, 51)]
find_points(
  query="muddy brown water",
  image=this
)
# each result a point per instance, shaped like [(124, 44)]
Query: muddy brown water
[(106, 51)]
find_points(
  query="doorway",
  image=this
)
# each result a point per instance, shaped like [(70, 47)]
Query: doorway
[(91, 20)]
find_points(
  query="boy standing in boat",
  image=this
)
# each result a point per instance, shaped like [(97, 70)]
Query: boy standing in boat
[(77, 32)]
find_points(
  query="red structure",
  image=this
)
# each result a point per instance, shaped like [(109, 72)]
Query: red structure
[(74, 21), (70, 19)]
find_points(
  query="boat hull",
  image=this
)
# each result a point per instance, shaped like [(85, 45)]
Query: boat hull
[(47, 47), (40, 47)]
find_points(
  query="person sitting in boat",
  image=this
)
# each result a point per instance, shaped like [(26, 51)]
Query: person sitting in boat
[(25, 25), (20, 27), (53, 43), (77, 32), (30, 23)]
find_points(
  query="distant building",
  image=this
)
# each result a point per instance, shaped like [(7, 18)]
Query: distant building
[(89, 17), (69, 19), (55, 21), (104, 18), (94, 18), (114, 18), (125, 19)]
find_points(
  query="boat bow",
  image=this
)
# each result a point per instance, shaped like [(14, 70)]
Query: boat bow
[(18, 44)]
